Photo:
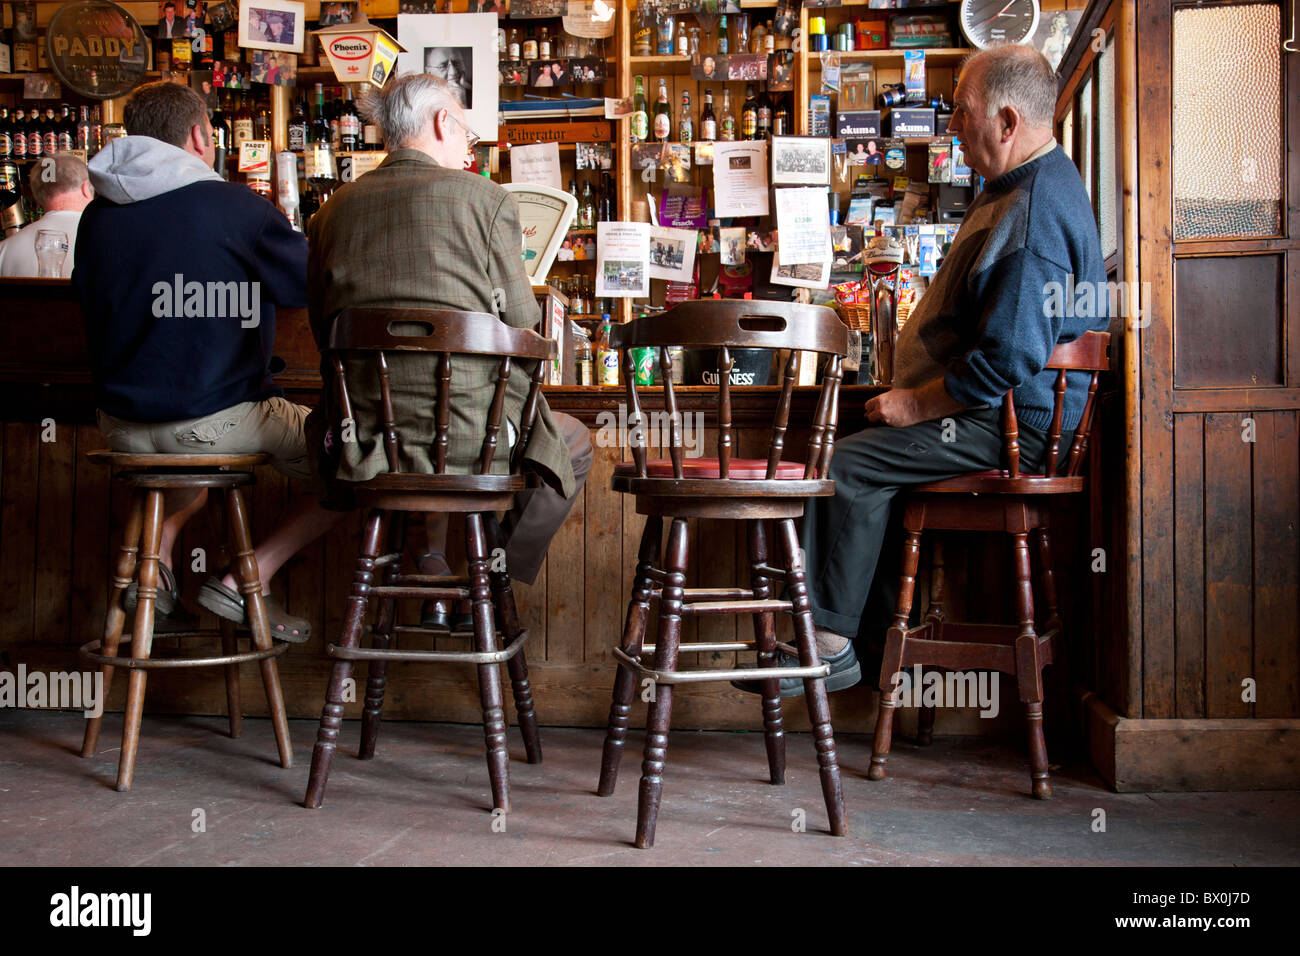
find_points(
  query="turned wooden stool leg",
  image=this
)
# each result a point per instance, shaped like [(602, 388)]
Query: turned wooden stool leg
[(1048, 580), (489, 675), (503, 598), (141, 635), (377, 670), (819, 713), (935, 618), (331, 719), (1029, 667), (634, 626), (659, 718), (115, 619), (250, 585), (230, 645), (892, 664), (765, 635)]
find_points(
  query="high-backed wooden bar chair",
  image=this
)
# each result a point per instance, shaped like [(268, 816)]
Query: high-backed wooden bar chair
[(733, 489), (1002, 500), (149, 477), (387, 498)]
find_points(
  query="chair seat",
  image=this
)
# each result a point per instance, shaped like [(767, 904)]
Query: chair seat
[(747, 469), (124, 459), (997, 482), (418, 483)]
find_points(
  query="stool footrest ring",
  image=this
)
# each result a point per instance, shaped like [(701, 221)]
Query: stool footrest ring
[(429, 657), (88, 652), (735, 673)]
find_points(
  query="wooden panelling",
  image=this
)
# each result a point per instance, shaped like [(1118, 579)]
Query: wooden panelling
[(1228, 328), (1276, 560), (1189, 567), (1228, 571)]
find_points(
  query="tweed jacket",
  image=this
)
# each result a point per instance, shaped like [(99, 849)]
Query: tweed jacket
[(413, 234)]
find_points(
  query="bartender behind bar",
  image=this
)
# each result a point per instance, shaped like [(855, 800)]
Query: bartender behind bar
[(979, 332)]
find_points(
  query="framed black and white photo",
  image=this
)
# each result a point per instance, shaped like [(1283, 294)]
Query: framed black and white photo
[(801, 161), (272, 25), (462, 49)]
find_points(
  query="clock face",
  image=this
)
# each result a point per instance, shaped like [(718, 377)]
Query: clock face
[(989, 23)]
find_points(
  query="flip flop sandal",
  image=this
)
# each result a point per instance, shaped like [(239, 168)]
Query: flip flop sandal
[(226, 603), (168, 594)]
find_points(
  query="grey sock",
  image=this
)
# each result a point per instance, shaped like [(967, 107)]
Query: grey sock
[(829, 643)]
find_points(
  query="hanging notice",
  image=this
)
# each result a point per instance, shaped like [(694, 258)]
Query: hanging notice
[(672, 254), (538, 164), (740, 179), (623, 259), (803, 223)]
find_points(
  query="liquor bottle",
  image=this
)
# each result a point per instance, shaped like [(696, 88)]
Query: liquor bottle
[(764, 116), (781, 118), (318, 157), (18, 134), (607, 198), (96, 131), (298, 127), (640, 119), (512, 47), (35, 140), (372, 136), (349, 123), (320, 124), (721, 49), (262, 121), (686, 125), (50, 131), (749, 115), (577, 210), (587, 208), (727, 127), (663, 120), (336, 134), (83, 131), (242, 126), (67, 128), (220, 140), (708, 121), (6, 135), (607, 361), (643, 34), (530, 46), (544, 45)]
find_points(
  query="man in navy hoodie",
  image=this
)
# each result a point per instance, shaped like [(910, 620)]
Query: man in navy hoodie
[(983, 328), (179, 273)]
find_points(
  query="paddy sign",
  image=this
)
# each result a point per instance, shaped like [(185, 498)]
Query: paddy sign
[(96, 48)]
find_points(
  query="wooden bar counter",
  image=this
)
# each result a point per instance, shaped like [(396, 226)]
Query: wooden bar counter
[(61, 517)]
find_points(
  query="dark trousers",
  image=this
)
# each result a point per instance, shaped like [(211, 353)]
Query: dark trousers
[(852, 541)]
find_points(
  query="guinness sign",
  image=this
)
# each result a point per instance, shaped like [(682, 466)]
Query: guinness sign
[(96, 48)]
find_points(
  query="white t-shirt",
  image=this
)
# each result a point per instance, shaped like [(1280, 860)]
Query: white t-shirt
[(18, 252)]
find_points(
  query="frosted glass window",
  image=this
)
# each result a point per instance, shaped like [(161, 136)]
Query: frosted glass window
[(1106, 186), (1067, 132), (1227, 121), (1086, 131)]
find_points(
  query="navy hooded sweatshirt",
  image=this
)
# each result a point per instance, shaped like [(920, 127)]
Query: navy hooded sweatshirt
[(179, 273)]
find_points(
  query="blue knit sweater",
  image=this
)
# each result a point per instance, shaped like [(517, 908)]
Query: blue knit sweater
[(1024, 273)]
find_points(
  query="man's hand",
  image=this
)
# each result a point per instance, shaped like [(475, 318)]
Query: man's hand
[(900, 407)]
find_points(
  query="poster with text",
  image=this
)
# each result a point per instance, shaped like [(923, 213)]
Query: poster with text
[(623, 259)]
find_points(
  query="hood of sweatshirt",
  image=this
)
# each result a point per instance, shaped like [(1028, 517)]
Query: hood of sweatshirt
[(135, 168)]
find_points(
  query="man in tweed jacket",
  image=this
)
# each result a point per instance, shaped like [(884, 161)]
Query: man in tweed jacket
[(420, 232)]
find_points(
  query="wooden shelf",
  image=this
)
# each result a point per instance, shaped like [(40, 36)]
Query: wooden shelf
[(934, 56)]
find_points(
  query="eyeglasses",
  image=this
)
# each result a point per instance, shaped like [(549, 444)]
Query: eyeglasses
[(471, 140)]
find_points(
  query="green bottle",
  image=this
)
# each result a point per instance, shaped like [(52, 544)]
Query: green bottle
[(640, 117)]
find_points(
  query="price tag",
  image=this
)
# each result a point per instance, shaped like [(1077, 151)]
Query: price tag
[(255, 156)]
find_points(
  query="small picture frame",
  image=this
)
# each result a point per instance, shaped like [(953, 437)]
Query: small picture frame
[(337, 14), (513, 73), (709, 67), (780, 71), (274, 69), (222, 16), (598, 156), (546, 74), (272, 25), (587, 70), (749, 67), (801, 161)]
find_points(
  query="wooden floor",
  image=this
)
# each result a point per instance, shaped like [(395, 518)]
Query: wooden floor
[(424, 800)]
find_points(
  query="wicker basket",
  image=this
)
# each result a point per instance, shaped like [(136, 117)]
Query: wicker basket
[(856, 316)]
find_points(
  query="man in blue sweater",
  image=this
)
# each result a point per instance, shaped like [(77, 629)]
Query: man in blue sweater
[(179, 273), (983, 328)]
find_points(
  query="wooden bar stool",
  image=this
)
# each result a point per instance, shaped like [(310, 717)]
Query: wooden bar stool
[(1011, 503), (388, 498), (724, 488), (150, 477)]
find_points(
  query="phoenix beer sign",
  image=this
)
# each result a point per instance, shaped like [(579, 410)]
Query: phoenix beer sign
[(360, 52), (96, 48)]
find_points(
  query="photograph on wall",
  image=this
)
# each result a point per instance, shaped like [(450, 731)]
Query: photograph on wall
[(708, 66), (589, 70), (230, 75), (672, 253), (866, 152), (272, 25), (201, 83), (1055, 30), (462, 49), (497, 7), (801, 160), (534, 9), (336, 14), (545, 74), (780, 71), (623, 259), (594, 155), (417, 6), (274, 69), (512, 73), (24, 18), (750, 67), (804, 275), (731, 245), (180, 18), (223, 16)]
